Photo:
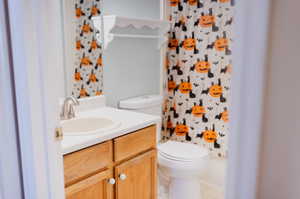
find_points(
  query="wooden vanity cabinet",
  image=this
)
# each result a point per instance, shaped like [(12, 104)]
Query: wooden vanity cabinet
[(122, 168), (136, 178), (93, 187)]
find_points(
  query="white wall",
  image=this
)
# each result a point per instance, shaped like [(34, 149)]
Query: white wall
[(133, 8), (280, 158), (131, 66)]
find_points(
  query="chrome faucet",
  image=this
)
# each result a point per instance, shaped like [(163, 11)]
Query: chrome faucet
[(68, 111)]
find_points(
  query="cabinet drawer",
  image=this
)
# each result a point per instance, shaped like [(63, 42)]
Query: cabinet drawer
[(93, 187), (134, 143), (83, 163)]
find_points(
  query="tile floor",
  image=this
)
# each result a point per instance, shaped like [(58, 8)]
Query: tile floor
[(208, 191)]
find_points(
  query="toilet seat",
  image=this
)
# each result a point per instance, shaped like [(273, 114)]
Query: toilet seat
[(181, 152)]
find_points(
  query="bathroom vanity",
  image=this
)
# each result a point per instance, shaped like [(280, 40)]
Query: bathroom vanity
[(124, 167), (119, 163)]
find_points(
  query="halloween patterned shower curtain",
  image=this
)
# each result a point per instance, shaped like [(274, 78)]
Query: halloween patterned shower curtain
[(198, 71)]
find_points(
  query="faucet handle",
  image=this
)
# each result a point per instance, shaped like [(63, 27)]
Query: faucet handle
[(71, 113), (74, 100), (68, 110)]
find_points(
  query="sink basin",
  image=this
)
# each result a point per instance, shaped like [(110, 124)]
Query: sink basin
[(88, 125)]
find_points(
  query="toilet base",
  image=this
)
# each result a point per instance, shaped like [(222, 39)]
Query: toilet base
[(185, 188)]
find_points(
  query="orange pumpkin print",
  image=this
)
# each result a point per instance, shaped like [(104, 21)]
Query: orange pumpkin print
[(86, 28), (92, 78), (77, 75), (203, 66), (192, 2), (174, 3), (171, 84), (189, 44), (173, 42), (78, 11), (224, 1), (185, 87), (208, 135), (223, 116), (94, 11), (79, 46), (198, 111), (216, 90), (221, 44), (94, 45), (207, 21), (98, 93), (181, 129), (85, 61), (83, 92), (169, 123)]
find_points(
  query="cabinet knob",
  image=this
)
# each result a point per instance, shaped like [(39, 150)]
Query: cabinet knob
[(122, 176), (111, 181)]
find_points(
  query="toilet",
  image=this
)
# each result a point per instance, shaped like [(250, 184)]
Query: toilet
[(182, 164)]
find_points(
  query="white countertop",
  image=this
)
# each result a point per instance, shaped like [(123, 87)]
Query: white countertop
[(130, 121)]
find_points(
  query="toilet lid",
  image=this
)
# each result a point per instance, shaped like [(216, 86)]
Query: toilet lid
[(182, 151)]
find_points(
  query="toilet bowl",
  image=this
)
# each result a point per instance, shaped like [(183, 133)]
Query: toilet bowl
[(181, 163)]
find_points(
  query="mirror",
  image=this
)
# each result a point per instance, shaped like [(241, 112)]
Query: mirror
[(131, 60)]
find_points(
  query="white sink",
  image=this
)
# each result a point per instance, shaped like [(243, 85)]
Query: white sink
[(88, 125)]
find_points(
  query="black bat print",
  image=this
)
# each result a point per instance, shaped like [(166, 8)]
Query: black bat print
[(224, 70), (187, 137), (229, 22), (184, 61), (205, 91), (210, 108), (192, 95), (222, 99), (210, 74), (177, 68), (210, 46), (219, 116), (222, 135), (216, 145), (227, 51)]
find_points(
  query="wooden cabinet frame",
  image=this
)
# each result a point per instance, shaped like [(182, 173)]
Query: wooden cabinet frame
[(87, 172)]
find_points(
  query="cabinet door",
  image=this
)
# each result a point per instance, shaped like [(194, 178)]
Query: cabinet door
[(94, 187), (136, 178)]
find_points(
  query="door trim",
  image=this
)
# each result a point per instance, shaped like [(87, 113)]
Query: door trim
[(36, 33), (11, 185), (249, 57)]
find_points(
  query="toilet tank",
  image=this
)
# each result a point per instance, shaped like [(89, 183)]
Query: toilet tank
[(149, 104)]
